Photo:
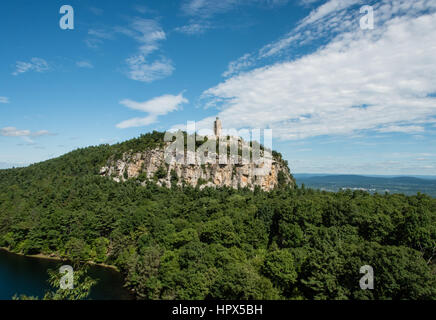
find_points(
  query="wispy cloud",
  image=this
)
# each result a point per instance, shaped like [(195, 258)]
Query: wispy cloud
[(235, 66), (93, 43), (100, 33), (345, 166), (14, 132), (84, 64), (323, 23), (141, 69), (144, 9), (156, 107), (96, 37), (96, 11), (403, 129), (194, 28), (27, 135), (202, 12), (35, 64), (308, 2), (326, 9), (149, 34), (207, 8), (4, 100), (390, 70)]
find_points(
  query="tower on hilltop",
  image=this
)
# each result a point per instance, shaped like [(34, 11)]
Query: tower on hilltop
[(217, 127)]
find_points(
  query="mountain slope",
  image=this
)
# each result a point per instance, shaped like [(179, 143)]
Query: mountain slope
[(125, 160)]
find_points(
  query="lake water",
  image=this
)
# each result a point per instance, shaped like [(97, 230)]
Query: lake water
[(28, 275)]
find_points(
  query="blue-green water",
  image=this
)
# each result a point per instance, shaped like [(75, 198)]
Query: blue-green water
[(27, 275)]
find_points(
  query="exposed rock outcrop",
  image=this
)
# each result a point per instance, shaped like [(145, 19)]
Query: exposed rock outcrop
[(150, 165)]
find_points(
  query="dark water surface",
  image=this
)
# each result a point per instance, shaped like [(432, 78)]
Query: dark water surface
[(28, 275)]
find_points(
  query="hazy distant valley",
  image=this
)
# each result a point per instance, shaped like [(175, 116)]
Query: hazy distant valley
[(373, 184)]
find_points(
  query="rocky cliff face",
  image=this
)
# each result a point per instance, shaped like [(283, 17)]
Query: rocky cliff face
[(150, 165)]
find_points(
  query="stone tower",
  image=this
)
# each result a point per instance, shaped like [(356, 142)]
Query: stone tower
[(217, 127)]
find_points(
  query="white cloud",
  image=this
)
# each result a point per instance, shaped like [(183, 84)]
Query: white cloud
[(96, 11), (13, 132), (243, 62), (327, 22), (322, 23), (403, 129), (327, 8), (378, 80), (142, 70), (93, 43), (137, 122), (84, 64), (155, 107), (141, 67), (201, 12), (4, 100), (207, 8), (308, 2), (145, 10), (41, 133), (148, 33), (100, 33), (96, 37), (35, 64), (193, 28), (158, 106), (25, 134), (344, 165)]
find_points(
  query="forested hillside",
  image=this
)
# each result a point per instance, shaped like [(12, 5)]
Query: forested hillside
[(186, 243)]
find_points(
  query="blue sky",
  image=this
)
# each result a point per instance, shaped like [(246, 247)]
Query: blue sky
[(339, 98)]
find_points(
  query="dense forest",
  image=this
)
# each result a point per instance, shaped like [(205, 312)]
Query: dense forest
[(186, 243)]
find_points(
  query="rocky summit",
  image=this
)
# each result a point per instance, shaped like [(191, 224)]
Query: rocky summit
[(150, 165)]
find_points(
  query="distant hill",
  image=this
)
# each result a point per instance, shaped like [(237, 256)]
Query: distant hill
[(374, 184)]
